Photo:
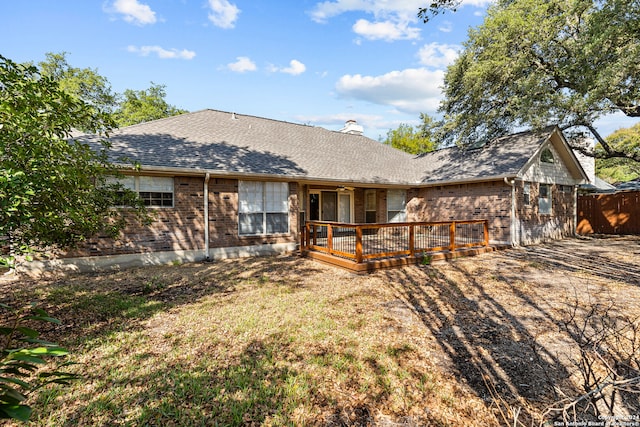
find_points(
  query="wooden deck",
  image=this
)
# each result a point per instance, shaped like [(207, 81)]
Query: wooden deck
[(367, 247)]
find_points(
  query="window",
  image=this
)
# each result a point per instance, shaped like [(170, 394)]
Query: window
[(344, 207), (370, 208), (546, 156), (544, 201), (566, 189), (396, 206), (263, 207), (155, 191), (527, 193)]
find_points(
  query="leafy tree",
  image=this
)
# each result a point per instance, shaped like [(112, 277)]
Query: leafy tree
[(93, 89), (83, 83), (414, 140), (534, 62), (139, 106), (54, 191), (621, 169)]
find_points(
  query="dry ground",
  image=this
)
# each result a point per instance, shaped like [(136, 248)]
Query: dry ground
[(288, 341)]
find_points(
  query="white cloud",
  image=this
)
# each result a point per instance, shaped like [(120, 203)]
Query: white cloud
[(372, 123), (242, 65), (223, 14), (438, 55), (162, 52), (375, 125), (446, 27), (135, 12), (413, 90), (380, 9), (385, 30), (392, 19), (295, 68), (338, 119)]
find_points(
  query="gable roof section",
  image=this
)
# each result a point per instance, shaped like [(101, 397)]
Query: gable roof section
[(233, 144), (504, 157)]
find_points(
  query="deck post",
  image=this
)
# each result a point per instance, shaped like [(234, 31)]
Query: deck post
[(358, 244), (486, 232), (330, 238), (306, 238), (412, 238), (452, 236), (315, 235)]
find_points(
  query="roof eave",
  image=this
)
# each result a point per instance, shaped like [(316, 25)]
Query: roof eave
[(170, 170), (467, 180)]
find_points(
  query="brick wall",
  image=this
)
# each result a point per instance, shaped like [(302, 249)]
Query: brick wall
[(358, 206), (533, 227), (177, 228), (478, 201), (223, 217), (182, 227)]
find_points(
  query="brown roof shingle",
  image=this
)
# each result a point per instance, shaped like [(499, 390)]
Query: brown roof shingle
[(228, 143), (502, 157), (224, 142)]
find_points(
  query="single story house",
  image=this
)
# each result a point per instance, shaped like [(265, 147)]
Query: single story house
[(226, 185)]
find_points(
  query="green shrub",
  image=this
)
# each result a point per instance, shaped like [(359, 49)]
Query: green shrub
[(23, 361)]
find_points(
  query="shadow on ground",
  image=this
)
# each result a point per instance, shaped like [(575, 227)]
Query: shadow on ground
[(501, 334), (91, 304)]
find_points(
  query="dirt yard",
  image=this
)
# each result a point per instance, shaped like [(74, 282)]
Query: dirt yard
[(466, 342), (516, 317)]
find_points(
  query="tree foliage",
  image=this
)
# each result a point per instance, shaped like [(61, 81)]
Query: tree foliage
[(437, 7), (85, 84), (139, 106), (415, 140), (22, 354), (532, 63), (54, 191), (621, 169)]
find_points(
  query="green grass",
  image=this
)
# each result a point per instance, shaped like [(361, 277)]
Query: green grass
[(257, 342)]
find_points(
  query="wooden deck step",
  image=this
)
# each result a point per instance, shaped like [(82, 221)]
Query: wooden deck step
[(373, 265)]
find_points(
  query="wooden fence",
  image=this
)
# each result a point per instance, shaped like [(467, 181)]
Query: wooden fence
[(617, 213)]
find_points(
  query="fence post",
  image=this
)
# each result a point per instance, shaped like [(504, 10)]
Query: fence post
[(486, 232), (412, 238), (330, 238), (452, 236), (358, 244)]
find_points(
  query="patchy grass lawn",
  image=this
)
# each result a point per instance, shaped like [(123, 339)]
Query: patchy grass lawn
[(288, 341)]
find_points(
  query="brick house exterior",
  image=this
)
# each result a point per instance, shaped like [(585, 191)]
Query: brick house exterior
[(228, 179), (490, 200)]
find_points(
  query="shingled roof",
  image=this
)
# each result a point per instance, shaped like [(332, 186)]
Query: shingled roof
[(233, 144), (229, 143), (500, 158)]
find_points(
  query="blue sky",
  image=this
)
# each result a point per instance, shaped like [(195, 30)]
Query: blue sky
[(318, 63)]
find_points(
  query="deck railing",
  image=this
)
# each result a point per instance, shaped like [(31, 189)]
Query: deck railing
[(365, 242)]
